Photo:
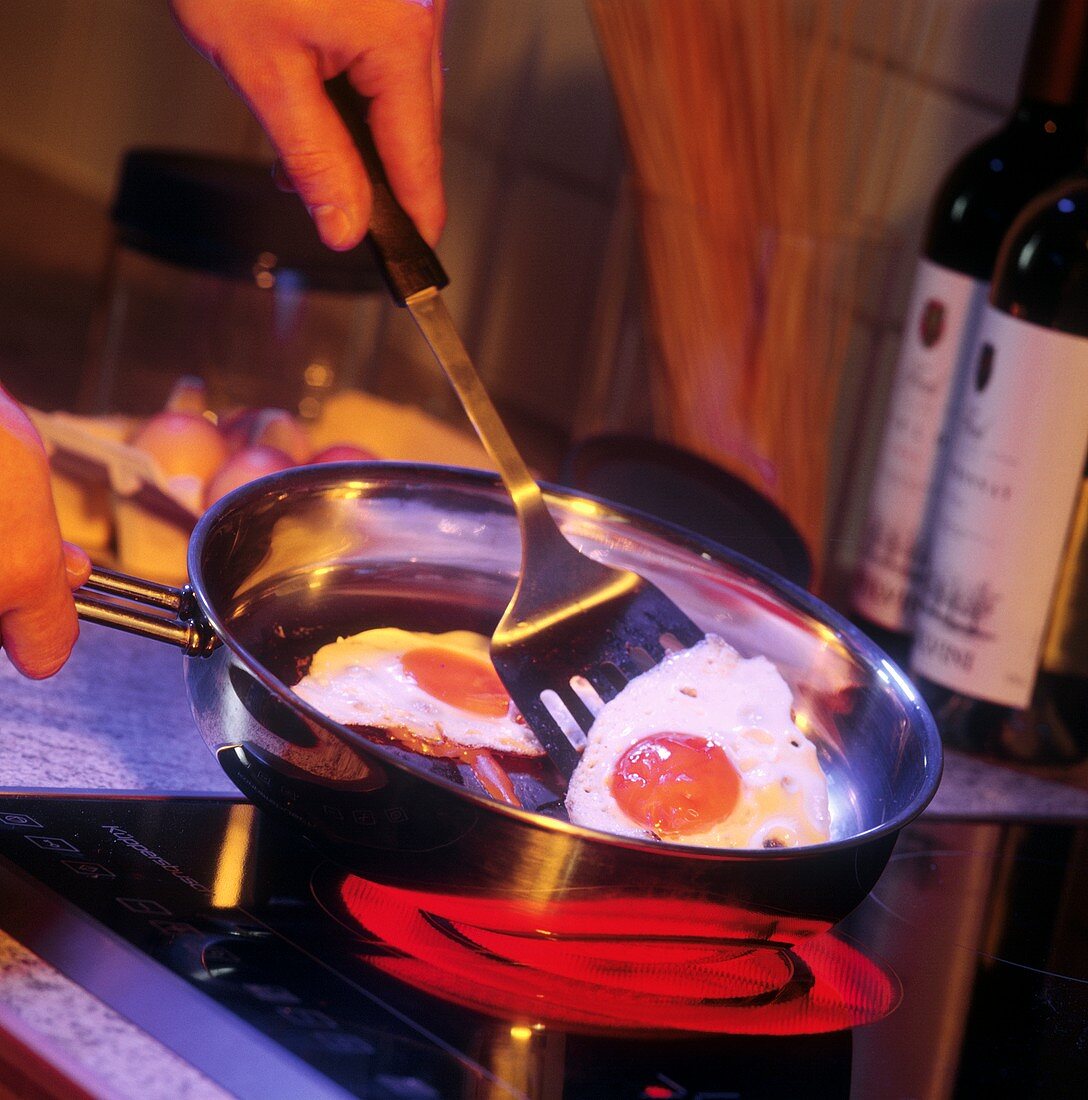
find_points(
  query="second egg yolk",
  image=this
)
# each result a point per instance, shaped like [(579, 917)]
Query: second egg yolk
[(675, 784), (460, 679)]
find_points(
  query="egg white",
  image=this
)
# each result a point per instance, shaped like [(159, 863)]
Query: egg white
[(360, 681), (740, 704)]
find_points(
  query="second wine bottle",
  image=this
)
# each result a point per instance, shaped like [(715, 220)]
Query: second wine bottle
[(1043, 140)]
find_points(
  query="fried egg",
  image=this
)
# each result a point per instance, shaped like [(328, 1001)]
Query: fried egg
[(437, 688), (702, 749)]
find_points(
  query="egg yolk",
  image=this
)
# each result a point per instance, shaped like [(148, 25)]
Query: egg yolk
[(460, 679), (675, 784)]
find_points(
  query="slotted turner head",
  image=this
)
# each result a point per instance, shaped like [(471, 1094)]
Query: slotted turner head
[(576, 630)]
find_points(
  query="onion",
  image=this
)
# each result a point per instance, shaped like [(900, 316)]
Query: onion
[(243, 467), (182, 444), (344, 452)]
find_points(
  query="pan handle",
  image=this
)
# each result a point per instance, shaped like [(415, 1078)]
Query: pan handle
[(176, 618)]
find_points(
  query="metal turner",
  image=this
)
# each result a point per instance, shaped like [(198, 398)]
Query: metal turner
[(575, 630)]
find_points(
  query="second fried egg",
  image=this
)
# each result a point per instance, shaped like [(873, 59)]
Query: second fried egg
[(702, 749)]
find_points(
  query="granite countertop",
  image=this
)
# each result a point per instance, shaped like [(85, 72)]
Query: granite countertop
[(116, 718)]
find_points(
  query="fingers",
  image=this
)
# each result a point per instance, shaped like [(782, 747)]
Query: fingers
[(38, 625), (318, 160), (281, 179), (405, 128), (438, 72), (402, 78), (315, 151), (414, 170), (277, 53), (408, 144)]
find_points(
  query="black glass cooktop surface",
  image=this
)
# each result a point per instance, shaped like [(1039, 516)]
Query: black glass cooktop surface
[(278, 974)]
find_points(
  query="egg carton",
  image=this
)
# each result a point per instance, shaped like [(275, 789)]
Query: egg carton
[(113, 500)]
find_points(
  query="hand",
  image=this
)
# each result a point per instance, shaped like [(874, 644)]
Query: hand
[(38, 625), (277, 53)]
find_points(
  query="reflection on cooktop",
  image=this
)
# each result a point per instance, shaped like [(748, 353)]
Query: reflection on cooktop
[(279, 974), (1027, 867)]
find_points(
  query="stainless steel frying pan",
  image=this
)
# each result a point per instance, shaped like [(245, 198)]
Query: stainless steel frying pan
[(283, 565)]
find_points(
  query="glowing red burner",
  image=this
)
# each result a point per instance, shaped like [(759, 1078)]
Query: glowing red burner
[(590, 970)]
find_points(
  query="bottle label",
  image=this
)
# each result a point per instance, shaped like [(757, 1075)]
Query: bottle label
[(942, 319), (1006, 500)]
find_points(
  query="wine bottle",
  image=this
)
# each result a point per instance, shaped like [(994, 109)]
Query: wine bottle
[(1001, 645), (1042, 141)]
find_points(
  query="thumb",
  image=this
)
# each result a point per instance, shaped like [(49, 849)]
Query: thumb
[(77, 566)]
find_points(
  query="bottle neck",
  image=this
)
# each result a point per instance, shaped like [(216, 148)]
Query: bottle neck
[(1056, 65)]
